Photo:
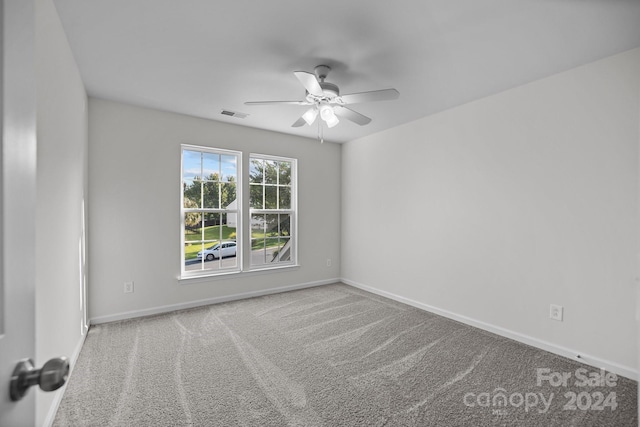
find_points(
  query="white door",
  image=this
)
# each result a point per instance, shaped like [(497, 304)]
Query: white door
[(18, 199)]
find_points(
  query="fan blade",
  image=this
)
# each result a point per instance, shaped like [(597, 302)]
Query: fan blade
[(376, 95), (298, 123), (310, 82), (278, 102), (349, 114)]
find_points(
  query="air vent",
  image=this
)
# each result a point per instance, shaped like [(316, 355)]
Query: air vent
[(234, 114)]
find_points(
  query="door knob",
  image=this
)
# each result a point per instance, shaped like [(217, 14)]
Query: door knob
[(50, 377)]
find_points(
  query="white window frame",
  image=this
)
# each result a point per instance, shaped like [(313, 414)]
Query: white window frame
[(292, 212), (238, 212)]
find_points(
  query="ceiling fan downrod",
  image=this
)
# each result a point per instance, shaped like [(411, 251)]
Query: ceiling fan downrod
[(322, 71)]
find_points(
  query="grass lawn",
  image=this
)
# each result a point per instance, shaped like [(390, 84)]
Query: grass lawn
[(212, 233), (262, 243)]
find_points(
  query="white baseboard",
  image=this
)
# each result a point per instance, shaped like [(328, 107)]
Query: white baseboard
[(572, 354), (208, 301), (55, 404)]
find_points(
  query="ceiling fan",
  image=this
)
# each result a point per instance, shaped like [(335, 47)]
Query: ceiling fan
[(325, 100)]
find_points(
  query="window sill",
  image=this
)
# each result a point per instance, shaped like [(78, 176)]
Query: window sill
[(200, 278)]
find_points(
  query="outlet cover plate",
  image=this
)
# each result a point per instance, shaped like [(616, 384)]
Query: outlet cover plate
[(556, 312), (128, 287)]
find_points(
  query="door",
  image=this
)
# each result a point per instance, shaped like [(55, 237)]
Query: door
[(18, 202)]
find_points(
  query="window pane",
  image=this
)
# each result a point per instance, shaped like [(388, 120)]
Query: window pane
[(232, 224), (210, 257), (228, 196), (256, 170), (191, 250), (229, 168), (192, 194), (272, 245), (191, 165), (284, 250), (192, 226), (257, 252), (270, 197), (191, 262), (270, 172), (272, 225), (212, 232), (257, 226), (255, 197), (211, 261), (210, 195), (285, 197), (285, 226), (191, 197), (264, 251), (229, 257), (211, 166), (219, 256), (285, 173), (227, 228)]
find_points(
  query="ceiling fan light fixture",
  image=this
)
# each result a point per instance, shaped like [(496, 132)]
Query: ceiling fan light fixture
[(332, 121), (325, 100), (328, 115), (310, 116)]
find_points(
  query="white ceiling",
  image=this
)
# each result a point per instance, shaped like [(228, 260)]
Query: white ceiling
[(198, 57)]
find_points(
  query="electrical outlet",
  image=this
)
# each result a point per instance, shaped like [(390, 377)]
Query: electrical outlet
[(328, 262), (128, 287), (555, 312)]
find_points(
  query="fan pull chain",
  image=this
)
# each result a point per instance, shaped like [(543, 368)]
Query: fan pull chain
[(320, 133)]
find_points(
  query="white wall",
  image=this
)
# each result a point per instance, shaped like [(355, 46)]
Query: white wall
[(134, 206), (497, 208), (61, 185)]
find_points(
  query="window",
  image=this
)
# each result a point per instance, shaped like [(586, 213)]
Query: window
[(272, 210), (210, 211)]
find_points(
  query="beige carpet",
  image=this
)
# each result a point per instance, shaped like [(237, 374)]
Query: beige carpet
[(327, 356)]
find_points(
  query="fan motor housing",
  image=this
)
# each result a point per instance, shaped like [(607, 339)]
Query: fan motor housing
[(330, 89)]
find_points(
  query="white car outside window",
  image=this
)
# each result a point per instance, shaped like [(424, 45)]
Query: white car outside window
[(213, 252)]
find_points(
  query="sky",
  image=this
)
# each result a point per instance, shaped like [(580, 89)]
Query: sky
[(199, 164)]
